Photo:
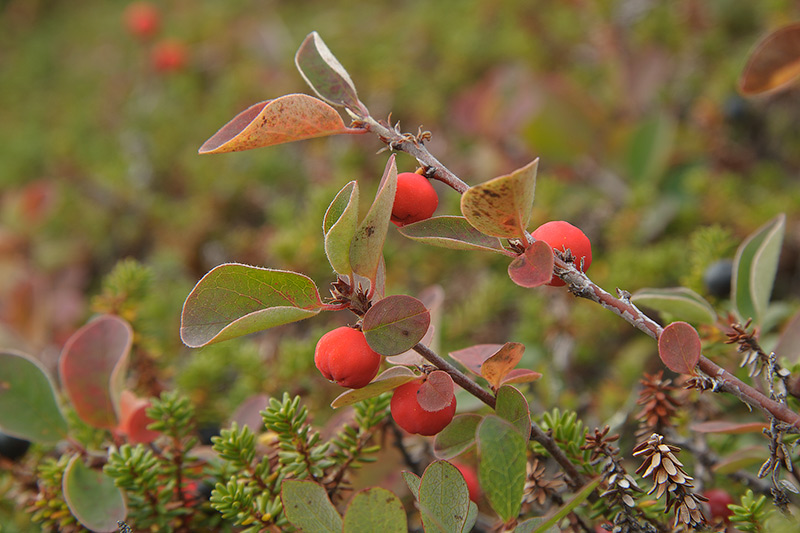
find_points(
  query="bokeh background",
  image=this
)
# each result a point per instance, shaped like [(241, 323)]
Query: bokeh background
[(630, 104)]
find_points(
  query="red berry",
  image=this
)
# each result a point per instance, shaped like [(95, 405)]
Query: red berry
[(718, 501), (343, 356), (562, 236), (142, 19), (409, 415), (471, 477), (415, 200), (168, 56)]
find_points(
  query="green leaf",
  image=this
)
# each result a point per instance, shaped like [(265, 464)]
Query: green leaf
[(741, 459), (307, 507), (339, 227), (754, 268), (389, 379), (679, 347), (472, 517), (502, 206), (451, 232), (28, 406), (375, 509), (534, 267), (534, 524), (325, 75), (92, 497), (412, 480), (513, 406), (234, 300), (92, 369), (580, 497), (501, 466), (293, 117), (366, 250), (679, 303), (650, 148), (395, 324), (457, 437), (443, 498)]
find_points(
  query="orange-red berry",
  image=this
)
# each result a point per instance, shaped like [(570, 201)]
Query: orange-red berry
[(718, 502), (563, 236), (142, 19), (168, 56), (415, 200), (409, 415), (343, 356)]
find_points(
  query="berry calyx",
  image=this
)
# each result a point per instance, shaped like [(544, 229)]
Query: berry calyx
[(343, 356), (409, 415), (142, 19), (415, 199), (564, 236)]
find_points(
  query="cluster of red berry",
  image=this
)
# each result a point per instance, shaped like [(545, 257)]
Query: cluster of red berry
[(143, 21)]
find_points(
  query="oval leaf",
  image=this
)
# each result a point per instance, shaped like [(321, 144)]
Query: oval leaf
[(412, 480), (375, 509), (451, 232), (502, 206), (443, 498), (339, 226), (513, 406), (395, 324), (92, 369), (366, 250), (28, 407), (457, 437), (501, 363), (293, 117), (679, 347), (307, 507), (410, 357), (534, 267), (754, 269), (436, 392), (325, 75), (774, 62), (679, 303), (473, 357), (234, 300), (501, 465), (520, 375), (388, 379), (92, 497)]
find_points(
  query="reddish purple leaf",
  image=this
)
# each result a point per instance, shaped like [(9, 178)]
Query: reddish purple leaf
[(437, 391), (92, 369), (729, 428), (474, 356), (500, 364), (534, 267), (774, 63), (133, 419), (679, 347)]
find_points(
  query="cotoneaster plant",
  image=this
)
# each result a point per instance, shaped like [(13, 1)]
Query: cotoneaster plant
[(410, 415), (344, 357), (563, 236), (415, 200)]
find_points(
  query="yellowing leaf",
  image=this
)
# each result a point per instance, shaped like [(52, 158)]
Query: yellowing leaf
[(501, 363), (774, 63)]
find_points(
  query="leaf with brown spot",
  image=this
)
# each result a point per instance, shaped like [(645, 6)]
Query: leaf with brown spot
[(679, 347), (774, 63), (502, 207), (293, 117), (501, 363)]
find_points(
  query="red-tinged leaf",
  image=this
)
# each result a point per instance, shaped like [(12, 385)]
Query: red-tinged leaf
[(774, 63), (534, 267), (325, 75), (375, 509), (729, 428), (249, 413), (500, 364), (474, 356), (520, 375), (28, 406), (502, 206), (92, 497), (92, 369), (395, 324), (451, 232), (307, 506), (679, 347), (387, 380), (366, 249), (133, 419), (234, 300), (339, 226), (436, 392), (458, 436), (293, 117)]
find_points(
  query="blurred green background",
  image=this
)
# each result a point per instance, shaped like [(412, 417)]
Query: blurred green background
[(631, 106)]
